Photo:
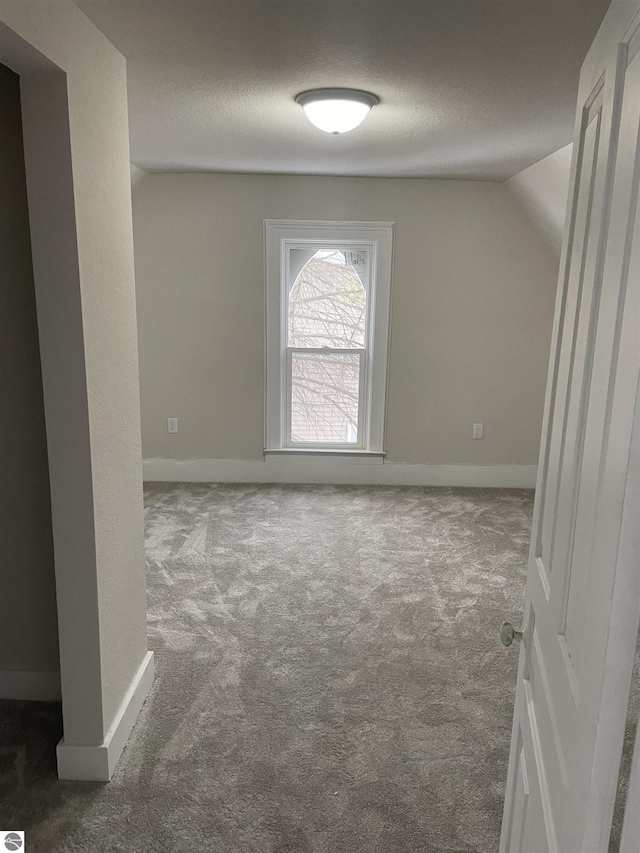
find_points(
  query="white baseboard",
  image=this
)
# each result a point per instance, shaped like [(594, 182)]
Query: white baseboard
[(30, 686), (337, 471), (97, 763)]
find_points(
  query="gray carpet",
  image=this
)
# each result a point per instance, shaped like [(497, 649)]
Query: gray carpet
[(329, 679)]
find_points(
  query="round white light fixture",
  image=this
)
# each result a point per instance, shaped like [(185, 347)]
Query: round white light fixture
[(336, 110)]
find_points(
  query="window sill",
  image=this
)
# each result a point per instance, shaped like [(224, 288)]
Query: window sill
[(371, 457)]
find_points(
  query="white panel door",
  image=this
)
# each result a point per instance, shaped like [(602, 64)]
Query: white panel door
[(583, 588)]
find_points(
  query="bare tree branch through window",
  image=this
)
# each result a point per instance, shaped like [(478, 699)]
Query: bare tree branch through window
[(327, 311)]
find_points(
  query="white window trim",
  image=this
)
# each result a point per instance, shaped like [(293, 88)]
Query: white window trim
[(278, 235)]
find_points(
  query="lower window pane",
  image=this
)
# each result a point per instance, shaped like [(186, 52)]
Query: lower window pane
[(324, 397)]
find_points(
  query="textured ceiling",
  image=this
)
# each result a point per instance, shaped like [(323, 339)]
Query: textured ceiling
[(468, 88)]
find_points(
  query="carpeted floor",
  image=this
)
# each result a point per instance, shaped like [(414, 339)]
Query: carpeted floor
[(329, 679)]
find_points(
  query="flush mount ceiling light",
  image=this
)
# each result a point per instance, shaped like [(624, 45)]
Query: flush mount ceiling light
[(336, 110)]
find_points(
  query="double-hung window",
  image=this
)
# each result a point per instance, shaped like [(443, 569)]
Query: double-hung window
[(327, 328)]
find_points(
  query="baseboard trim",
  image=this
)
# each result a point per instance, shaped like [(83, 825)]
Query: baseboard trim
[(337, 471), (98, 763), (30, 686)]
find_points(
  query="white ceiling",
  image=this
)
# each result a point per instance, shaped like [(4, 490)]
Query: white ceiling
[(468, 88)]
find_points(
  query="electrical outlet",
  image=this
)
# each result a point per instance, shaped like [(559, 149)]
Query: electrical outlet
[(478, 430), (172, 425)]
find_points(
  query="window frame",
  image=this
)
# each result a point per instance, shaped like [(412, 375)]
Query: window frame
[(279, 237)]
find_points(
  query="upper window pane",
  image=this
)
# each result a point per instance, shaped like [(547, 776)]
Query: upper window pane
[(327, 300)]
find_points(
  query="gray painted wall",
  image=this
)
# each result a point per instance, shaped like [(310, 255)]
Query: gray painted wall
[(76, 144), (472, 306), (28, 622)]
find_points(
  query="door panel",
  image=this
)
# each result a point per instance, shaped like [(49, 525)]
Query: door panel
[(586, 218), (528, 811), (540, 700), (579, 641)]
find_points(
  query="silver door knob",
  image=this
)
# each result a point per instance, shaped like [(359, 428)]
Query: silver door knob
[(508, 634)]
